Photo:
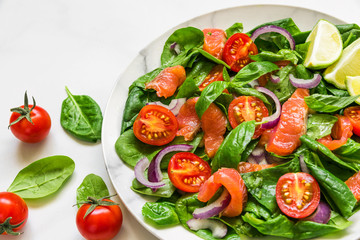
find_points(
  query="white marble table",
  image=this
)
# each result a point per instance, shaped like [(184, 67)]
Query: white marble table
[(85, 45)]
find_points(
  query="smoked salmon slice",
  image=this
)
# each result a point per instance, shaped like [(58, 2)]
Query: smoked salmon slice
[(188, 120), (292, 125), (245, 167), (167, 81)]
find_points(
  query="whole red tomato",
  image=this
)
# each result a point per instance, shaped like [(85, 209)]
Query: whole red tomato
[(104, 222), (13, 213), (30, 123)]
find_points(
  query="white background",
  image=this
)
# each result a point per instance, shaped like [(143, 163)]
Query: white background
[(46, 45)]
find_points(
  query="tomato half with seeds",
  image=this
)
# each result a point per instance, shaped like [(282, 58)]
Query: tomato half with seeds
[(247, 108), (155, 125), (216, 74), (237, 50), (353, 113), (188, 172), (297, 194)]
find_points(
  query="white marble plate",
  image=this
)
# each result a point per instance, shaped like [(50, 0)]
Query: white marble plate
[(148, 59)]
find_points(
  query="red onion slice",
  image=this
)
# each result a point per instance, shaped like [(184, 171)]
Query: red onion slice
[(139, 170), (303, 166), (214, 208), (154, 171), (273, 28), (321, 215), (271, 121), (275, 79), (218, 229), (174, 105), (305, 83), (258, 156), (175, 47)]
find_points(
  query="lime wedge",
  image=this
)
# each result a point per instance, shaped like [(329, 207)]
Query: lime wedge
[(347, 65), (353, 86), (325, 45)]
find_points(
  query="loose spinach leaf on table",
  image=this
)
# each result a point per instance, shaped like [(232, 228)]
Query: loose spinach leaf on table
[(92, 186), (235, 143), (320, 125), (160, 213), (328, 103), (81, 116), (42, 177)]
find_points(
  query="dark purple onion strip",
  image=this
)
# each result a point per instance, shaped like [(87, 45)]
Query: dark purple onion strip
[(271, 121), (154, 171), (275, 79), (175, 47), (139, 170), (214, 208), (174, 105), (218, 229), (305, 83), (258, 156), (321, 215), (273, 28)]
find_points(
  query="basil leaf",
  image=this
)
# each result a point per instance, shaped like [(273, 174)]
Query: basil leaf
[(211, 57), (235, 28), (284, 89), (235, 143), (328, 103), (42, 177), (208, 95), (92, 186), (81, 116), (350, 152), (160, 213), (320, 125), (253, 71), (246, 91), (282, 54)]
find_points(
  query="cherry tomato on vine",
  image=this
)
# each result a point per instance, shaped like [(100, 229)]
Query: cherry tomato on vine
[(30, 123), (353, 113), (214, 41), (13, 213), (155, 125), (103, 222), (297, 194), (247, 108), (188, 172), (237, 50)]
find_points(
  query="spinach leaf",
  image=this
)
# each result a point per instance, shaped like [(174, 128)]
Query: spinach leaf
[(81, 116), (240, 226), (338, 191), (188, 89), (92, 186), (328, 103), (185, 39), (208, 95), (235, 28), (253, 71), (165, 191), (335, 91), (211, 57), (301, 50), (247, 91), (350, 152), (200, 70), (160, 213), (284, 89), (283, 54), (42, 177), (141, 81), (320, 125), (262, 184), (223, 102), (320, 88), (235, 143)]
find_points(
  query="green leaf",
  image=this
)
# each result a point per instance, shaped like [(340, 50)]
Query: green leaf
[(235, 28), (42, 177), (282, 54), (81, 116), (253, 71), (350, 152), (92, 186), (284, 89), (320, 125), (247, 91), (160, 213), (235, 143), (328, 103), (165, 191), (211, 57)]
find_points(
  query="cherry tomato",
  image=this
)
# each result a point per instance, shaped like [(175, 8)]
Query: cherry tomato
[(340, 133), (214, 41), (354, 184), (188, 172), (23, 129), (353, 113), (216, 74), (104, 222), (155, 125), (237, 50), (297, 194), (247, 108), (14, 207)]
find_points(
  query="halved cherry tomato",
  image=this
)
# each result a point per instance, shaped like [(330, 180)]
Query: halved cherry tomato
[(266, 77), (340, 133), (297, 194), (188, 172), (354, 184), (245, 167), (216, 74), (247, 108), (237, 50), (214, 41), (353, 113), (155, 125)]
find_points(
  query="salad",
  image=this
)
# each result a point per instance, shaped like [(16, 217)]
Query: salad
[(248, 133)]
